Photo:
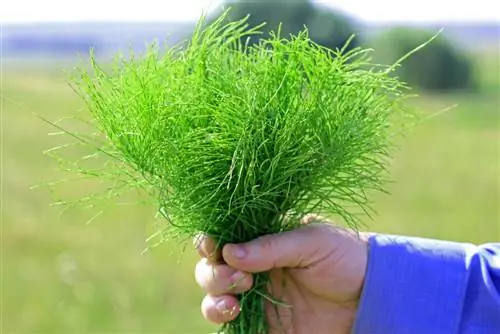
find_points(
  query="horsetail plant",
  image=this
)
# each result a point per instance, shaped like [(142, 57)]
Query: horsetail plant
[(237, 141)]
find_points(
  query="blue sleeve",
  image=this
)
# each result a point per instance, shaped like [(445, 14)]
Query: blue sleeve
[(416, 285)]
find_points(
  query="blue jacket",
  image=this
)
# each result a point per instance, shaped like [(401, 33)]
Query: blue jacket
[(423, 286)]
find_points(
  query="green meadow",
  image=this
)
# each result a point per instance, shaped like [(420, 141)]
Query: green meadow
[(62, 275)]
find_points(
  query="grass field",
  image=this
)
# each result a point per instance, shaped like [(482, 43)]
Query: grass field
[(63, 276)]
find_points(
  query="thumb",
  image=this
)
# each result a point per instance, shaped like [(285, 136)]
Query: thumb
[(294, 249)]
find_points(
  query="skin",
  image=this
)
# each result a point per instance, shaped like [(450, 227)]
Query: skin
[(323, 267)]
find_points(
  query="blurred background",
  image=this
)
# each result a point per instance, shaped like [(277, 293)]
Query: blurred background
[(62, 275)]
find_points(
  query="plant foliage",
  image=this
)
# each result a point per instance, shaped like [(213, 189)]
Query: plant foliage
[(238, 141)]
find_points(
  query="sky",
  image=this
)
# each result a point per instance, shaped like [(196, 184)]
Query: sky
[(32, 11)]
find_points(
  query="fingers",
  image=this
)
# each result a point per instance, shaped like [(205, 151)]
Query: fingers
[(207, 247), (294, 249), (219, 279), (220, 309)]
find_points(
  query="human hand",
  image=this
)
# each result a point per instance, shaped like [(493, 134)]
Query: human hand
[(322, 267)]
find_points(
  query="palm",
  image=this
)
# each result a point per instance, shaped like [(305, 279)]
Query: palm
[(317, 308)]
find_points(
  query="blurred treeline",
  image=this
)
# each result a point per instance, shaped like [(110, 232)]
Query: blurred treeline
[(440, 66)]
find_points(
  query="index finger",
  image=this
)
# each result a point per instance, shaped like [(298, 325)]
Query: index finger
[(207, 248)]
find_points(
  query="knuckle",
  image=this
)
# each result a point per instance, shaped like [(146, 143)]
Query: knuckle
[(219, 310), (209, 311), (268, 249), (214, 279), (207, 247), (199, 273), (267, 245)]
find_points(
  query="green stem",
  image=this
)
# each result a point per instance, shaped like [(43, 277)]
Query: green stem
[(252, 318)]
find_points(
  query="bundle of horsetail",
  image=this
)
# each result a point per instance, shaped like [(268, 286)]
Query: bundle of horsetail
[(237, 141)]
